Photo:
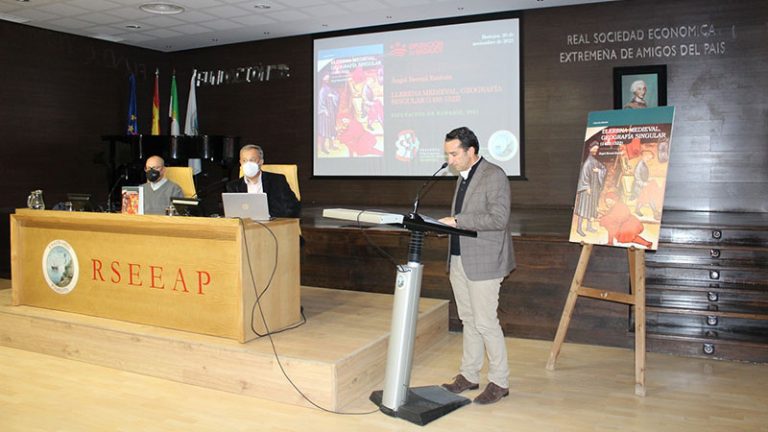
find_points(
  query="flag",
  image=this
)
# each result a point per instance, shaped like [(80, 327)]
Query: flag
[(173, 109), (156, 105), (133, 123), (190, 122)]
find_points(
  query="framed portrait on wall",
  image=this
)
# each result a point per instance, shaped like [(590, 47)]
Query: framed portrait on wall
[(639, 87)]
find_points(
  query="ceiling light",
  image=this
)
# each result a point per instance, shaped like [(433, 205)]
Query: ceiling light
[(133, 26), (161, 8), (109, 38), (262, 6)]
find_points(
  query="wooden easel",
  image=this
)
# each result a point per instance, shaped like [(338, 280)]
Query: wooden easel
[(636, 298)]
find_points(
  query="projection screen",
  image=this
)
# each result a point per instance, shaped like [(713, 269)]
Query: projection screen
[(384, 101)]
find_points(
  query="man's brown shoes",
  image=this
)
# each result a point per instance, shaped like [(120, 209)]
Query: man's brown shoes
[(460, 384), (491, 394)]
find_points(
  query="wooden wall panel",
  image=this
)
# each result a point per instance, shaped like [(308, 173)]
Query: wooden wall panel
[(275, 114), (531, 298), (59, 94), (714, 95), (718, 115), (75, 89)]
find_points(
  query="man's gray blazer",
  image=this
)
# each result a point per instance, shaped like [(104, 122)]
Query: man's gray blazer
[(486, 209)]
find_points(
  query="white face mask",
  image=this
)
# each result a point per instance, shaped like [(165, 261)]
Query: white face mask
[(251, 169)]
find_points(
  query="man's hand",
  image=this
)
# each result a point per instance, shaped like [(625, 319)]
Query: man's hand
[(450, 221)]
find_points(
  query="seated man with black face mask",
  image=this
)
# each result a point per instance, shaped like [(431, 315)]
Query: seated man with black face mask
[(158, 190)]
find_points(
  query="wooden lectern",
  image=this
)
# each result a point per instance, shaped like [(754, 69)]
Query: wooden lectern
[(201, 275)]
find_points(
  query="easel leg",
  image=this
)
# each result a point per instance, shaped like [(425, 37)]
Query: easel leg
[(637, 280), (570, 303)]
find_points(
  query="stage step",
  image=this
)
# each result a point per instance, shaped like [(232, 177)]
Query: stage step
[(337, 358)]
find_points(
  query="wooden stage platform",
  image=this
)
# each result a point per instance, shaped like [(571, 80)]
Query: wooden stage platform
[(336, 358)]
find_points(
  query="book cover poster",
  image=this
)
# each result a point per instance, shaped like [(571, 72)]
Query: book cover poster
[(350, 119), (133, 200), (623, 174)]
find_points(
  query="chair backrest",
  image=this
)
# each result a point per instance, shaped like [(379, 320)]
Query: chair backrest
[(182, 176), (291, 173)]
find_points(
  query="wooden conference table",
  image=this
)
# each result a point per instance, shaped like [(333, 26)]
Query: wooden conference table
[(195, 274)]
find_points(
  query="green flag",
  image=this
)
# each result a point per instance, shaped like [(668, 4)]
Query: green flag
[(173, 109)]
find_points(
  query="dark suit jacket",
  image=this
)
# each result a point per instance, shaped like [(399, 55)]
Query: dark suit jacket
[(281, 200)]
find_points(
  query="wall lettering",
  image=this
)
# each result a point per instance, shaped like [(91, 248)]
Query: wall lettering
[(689, 40), (243, 74)]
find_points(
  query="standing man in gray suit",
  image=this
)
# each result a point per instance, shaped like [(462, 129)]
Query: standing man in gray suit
[(477, 266)]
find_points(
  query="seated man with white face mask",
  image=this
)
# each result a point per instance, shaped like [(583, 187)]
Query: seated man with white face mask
[(281, 200), (158, 190)]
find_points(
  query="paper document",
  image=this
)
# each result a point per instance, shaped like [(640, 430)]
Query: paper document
[(431, 220)]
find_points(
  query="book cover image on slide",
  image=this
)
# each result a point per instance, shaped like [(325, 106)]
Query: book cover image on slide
[(350, 115), (623, 175)]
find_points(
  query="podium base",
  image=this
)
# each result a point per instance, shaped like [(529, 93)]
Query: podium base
[(423, 404)]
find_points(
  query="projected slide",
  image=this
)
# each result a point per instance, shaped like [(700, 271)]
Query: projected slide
[(384, 101)]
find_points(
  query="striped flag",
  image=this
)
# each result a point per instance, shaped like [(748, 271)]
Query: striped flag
[(133, 122), (156, 105), (173, 109), (190, 122)]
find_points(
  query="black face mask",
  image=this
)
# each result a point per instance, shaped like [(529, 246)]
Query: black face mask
[(153, 175)]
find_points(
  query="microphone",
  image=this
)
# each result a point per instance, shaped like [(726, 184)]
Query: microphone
[(123, 176), (208, 187), (429, 181)]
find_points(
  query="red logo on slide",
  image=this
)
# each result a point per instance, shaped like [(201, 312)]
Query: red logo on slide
[(398, 50), (426, 48)]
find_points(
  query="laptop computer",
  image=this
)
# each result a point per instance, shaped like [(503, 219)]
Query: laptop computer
[(245, 205)]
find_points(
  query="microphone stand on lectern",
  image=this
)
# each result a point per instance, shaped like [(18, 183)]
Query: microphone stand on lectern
[(418, 405)]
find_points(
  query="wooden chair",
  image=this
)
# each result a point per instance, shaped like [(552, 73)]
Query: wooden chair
[(182, 176), (291, 173)]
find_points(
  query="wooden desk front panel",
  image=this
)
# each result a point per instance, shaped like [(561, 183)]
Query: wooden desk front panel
[(181, 273), (273, 252)]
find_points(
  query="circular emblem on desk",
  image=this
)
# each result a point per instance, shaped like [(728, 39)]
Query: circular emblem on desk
[(60, 267)]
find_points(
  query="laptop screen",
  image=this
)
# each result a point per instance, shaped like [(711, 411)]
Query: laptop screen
[(245, 205)]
